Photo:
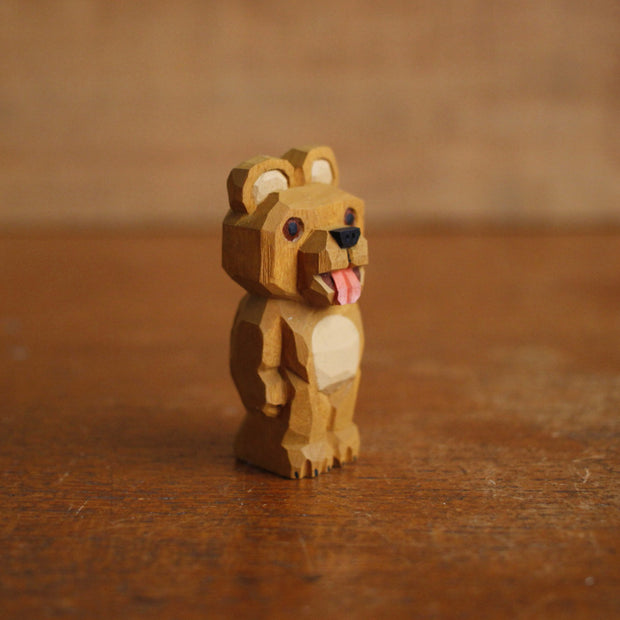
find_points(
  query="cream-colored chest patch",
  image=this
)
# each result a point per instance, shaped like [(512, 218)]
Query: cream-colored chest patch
[(336, 350)]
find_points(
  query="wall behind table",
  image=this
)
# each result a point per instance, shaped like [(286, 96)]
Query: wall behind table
[(115, 114)]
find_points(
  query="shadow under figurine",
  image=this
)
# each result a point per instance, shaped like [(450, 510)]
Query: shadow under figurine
[(295, 242)]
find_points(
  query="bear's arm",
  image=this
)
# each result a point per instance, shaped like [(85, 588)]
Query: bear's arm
[(256, 351)]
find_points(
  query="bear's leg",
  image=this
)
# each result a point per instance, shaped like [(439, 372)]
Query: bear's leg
[(259, 442), (309, 451), (343, 433)]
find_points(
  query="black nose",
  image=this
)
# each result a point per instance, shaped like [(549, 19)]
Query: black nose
[(346, 237)]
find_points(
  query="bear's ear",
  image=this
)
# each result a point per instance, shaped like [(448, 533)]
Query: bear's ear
[(252, 181), (313, 164)]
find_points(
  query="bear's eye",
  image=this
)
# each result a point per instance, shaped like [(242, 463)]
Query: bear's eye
[(349, 217), (293, 228)]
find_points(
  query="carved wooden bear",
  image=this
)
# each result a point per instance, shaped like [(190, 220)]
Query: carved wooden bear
[(295, 242)]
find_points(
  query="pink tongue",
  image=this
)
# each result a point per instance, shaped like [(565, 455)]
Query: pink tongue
[(348, 287)]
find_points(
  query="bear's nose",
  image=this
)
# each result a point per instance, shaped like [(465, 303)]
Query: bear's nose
[(346, 237)]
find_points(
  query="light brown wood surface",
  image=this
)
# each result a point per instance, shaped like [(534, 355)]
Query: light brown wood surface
[(488, 483), (131, 113)]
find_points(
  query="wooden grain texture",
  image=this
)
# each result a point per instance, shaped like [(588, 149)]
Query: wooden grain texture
[(118, 114), (488, 481)]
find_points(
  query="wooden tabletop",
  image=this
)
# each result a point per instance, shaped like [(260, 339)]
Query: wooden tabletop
[(489, 410)]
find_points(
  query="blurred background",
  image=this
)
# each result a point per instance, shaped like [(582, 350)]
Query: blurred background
[(117, 115)]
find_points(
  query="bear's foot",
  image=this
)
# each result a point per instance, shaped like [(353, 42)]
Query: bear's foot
[(309, 460), (345, 444), (259, 442), (267, 443)]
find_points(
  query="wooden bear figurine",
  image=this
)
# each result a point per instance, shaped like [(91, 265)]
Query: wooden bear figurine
[(295, 242)]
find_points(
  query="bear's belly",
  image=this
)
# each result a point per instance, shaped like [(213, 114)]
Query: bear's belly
[(335, 350)]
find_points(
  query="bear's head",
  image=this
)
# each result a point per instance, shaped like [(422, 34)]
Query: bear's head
[(291, 232)]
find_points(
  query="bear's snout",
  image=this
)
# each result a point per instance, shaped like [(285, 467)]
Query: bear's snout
[(346, 237)]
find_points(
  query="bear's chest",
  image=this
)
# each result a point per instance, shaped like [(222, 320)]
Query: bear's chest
[(336, 350)]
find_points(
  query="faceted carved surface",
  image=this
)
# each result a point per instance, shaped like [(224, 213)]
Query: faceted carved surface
[(297, 338)]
